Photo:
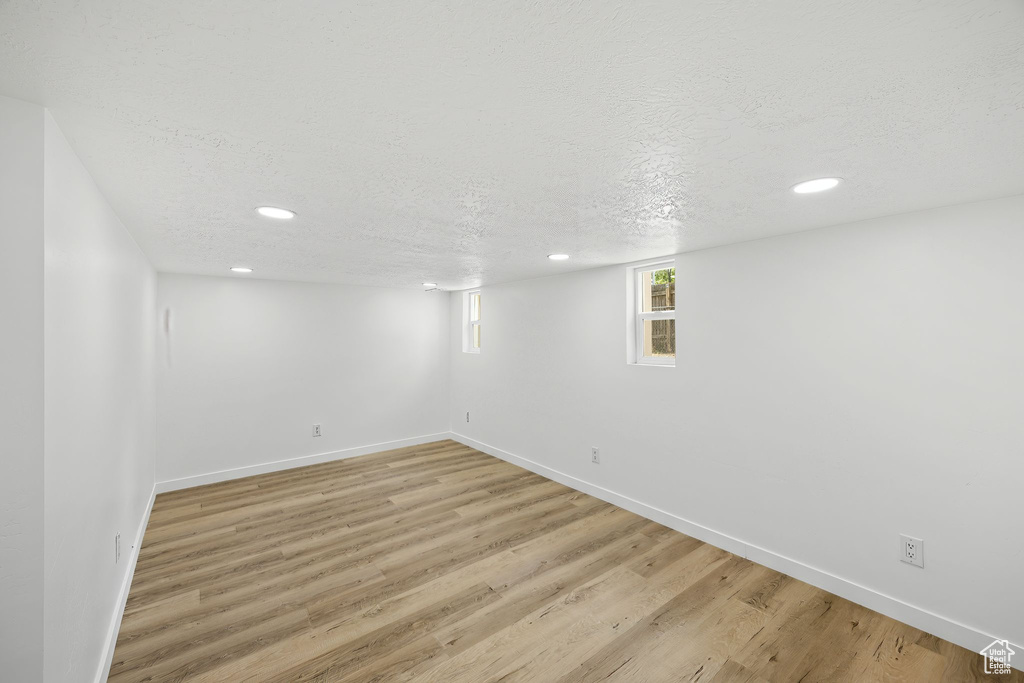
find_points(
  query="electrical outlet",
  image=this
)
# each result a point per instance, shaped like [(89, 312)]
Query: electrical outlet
[(467, 416), (117, 547), (316, 430), (912, 550), (595, 455)]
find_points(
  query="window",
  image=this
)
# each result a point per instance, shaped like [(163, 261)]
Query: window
[(471, 316), (653, 314)]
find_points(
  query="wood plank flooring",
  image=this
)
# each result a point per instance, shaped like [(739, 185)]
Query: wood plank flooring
[(441, 563)]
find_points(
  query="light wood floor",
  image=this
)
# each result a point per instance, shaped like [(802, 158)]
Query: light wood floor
[(440, 563)]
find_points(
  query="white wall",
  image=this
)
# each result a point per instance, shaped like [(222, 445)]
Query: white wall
[(21, 390), (834, 389), (100, 322), (250, 365)]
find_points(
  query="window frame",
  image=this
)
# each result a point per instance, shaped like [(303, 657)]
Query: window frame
[(636, 316), (469, 321)]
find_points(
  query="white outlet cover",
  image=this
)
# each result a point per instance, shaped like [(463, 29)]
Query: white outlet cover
[(912, 550)]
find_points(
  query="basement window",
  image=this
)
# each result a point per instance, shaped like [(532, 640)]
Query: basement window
[(471, 317), (652, 299)]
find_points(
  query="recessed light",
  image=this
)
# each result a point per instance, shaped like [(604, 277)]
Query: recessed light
[(816, 185), (274, 212), (430, 284), (241, 269), (558, 257)]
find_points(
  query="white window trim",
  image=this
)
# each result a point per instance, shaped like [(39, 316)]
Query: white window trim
[(468, 321), (634, 318)]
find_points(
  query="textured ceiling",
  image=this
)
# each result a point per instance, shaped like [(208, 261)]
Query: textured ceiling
[(461, 142)]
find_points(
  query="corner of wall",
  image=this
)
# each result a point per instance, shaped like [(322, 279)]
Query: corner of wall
[(93, 267)]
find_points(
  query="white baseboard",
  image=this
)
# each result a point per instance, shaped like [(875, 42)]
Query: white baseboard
[(278, 465), (945, 628), (115, 621)]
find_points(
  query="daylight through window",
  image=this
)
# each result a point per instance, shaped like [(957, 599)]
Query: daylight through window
[(471, 333), (655, 320)]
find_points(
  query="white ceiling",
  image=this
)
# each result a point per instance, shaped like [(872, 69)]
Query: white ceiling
[(461, 142)]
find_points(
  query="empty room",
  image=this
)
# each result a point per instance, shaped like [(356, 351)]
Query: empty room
[(469, 342)]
